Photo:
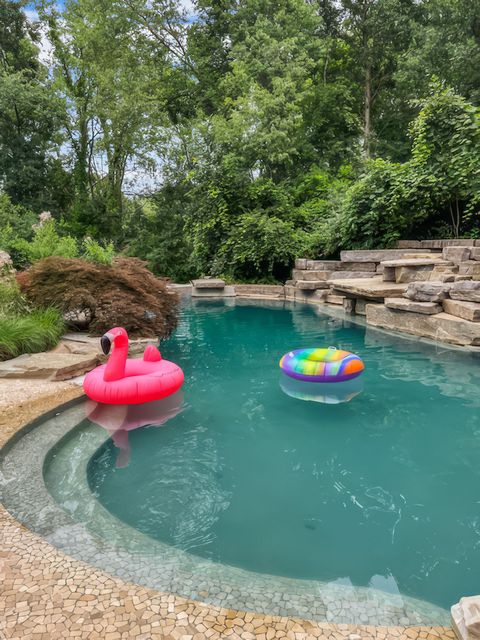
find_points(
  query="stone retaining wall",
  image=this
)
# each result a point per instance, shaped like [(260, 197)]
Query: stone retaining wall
[(428, 288)]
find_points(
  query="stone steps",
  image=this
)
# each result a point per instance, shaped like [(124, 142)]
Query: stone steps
[(426, 288)]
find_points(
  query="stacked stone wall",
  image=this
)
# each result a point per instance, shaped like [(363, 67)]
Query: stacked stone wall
[(428, 288)]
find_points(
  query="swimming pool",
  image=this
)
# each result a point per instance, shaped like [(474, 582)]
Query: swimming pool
[(357, 508)]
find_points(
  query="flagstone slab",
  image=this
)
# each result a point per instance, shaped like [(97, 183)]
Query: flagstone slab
[(462, 309), (209, 283), (427, 308), (50, 365), (374, 288), (375, 255)]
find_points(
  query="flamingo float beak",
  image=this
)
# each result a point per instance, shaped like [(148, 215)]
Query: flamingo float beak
[(106, 343)]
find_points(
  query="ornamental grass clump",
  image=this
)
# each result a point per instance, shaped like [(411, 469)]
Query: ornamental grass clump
[(23, 330), (123, 294), (38, 331)]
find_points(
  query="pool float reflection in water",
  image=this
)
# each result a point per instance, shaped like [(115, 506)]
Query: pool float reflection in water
[(324, 392), (119, 419)]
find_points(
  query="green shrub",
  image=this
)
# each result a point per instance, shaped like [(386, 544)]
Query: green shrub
[(38, 331), (386, 204), (260, 244), (48, 242), (434, 193), (93, 251)]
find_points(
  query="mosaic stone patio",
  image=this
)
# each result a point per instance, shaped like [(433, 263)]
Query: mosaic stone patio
[(47, 594)]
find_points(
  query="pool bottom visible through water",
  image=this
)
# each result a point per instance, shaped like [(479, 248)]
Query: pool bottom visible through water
[(381, 491)]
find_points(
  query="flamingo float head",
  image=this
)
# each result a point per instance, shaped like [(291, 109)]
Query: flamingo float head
[(116, 336)]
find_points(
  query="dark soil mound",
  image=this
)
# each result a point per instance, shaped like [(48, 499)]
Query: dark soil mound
[(125, 294)]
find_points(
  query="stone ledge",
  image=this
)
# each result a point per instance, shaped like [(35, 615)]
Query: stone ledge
[(322, 264), (417, 262), (208, 283), (466, 290), (311, 274), (350, 275), (450, 242), (271, 290), (49, 365), (440, 327), (374, 288), (357, 266), (426, 308), (311, 285), (376, 255), (203, 292), (462, 309)]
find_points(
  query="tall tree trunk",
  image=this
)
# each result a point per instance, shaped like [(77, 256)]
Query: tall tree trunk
[(367, 110)]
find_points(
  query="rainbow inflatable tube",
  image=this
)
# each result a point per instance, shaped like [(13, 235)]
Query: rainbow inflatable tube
[(321, 365), (126, 380)]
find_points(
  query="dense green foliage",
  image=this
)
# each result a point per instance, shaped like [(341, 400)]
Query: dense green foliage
[(231, 139)]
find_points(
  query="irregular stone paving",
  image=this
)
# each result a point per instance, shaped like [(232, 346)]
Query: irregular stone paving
[(46, 595)]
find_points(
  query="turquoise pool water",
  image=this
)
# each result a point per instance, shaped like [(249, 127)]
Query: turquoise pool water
[(382, 491)]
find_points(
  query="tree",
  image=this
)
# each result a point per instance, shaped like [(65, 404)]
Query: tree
[(446, 153), (30, 116), (111, 85), (378, 31)]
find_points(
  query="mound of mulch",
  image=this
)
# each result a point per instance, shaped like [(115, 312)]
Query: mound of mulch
[(125, 294)]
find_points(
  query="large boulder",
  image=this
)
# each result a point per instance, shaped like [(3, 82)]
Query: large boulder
[(468, 290), (428, 291)]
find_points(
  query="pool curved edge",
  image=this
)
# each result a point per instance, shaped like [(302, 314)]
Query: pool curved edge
[(46, 589)]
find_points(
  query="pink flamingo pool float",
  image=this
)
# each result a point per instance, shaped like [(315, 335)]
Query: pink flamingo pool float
[(126, 380)]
